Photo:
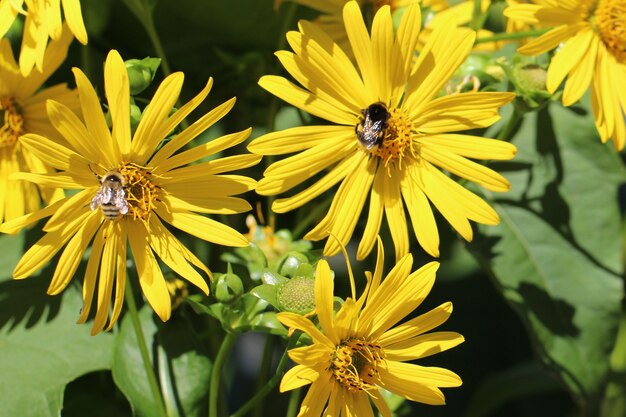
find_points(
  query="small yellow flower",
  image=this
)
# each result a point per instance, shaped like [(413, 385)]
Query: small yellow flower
[(358, 350), (43, 22), (141, 185), (23, 110), (592, 39), (390, 132)]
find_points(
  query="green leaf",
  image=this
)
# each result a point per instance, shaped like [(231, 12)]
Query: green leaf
[(556, 255), (43, 349), (182, 366), (516, 383), (11, 250)]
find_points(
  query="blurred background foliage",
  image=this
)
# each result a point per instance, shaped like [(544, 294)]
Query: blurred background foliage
[(538, 298)]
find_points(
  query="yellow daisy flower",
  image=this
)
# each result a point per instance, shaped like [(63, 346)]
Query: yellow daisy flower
[(22, 103), (129, 189), (592, 36), (358, 350), (43, 21), (390, 132)]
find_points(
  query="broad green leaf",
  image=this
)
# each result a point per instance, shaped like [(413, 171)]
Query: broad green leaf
[(11, 250), (556, 255), (516, 383), (42, 348), (182, 366)]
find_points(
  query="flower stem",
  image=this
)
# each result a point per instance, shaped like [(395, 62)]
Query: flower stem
[(311, 216), (511, 36), (476, 24), (294, 401), (511, 125), (143, 348), (218, 365), (266, 364), (148, 24), (269, 385)]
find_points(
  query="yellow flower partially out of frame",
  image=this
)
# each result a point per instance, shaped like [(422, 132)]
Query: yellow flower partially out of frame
[(592, 39), (43, 22), (362, 348), (403, 169), (160, 189), (23, 109)]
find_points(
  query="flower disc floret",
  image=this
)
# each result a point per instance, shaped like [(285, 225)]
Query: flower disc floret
[(142, 193), (12, 122), (354, 364), (610, 19)]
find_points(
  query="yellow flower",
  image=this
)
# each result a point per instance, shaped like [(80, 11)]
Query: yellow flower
[(141, 185), (358, 350), (22, 105), (43, 22), (390, 132), (593, 51)]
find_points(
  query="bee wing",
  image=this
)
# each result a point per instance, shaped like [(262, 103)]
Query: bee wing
[(103, 196), (371, 133), (119, 199)]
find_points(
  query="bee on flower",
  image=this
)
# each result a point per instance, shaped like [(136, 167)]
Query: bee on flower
[(391, 133), (142, 184)]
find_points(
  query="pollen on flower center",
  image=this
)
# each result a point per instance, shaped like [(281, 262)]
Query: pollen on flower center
[(396, 139), (141, 191), (354, 363), (610, 21), (12, 122)]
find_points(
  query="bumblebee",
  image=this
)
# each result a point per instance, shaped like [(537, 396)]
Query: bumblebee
[(371, 130), (111, 197)]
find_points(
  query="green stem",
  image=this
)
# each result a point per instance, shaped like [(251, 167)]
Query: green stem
[(511, 36), (269, 385), (218, 365), (476, 13), (266, 364), (145, 356), (148, 24), (311, 216), (511, 124), (294, 402)]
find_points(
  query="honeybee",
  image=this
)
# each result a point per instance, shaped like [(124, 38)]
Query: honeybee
[(371, 130), (111, 197)]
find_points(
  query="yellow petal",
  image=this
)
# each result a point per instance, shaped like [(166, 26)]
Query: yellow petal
[(118, 96), (74, 18), (374, 215), (120, 276), (465, 168), (474, 147), (95, 121), (169, 249), (197, 152), (580, 77), (305, 100), (335, 175), (416, 326), (15, 225), (382, 52), (106, 279), (146, 140), (297, 139), (324, 299), (202, 227), (551, 40), (297, 377), (407, 38), (361, 47), (420, 212), (417, 383), (73, 254), (568, 57), (295, 321), (352, 193), (150, 276), (89, 281), (423, 346)]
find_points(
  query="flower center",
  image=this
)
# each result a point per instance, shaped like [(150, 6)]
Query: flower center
[(610, 20), (141, 191), (354, 364), (12, 122), (386, 133)]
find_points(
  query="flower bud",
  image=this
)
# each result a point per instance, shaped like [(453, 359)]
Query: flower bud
[(228, 287), (141, 73), (297, 295)]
